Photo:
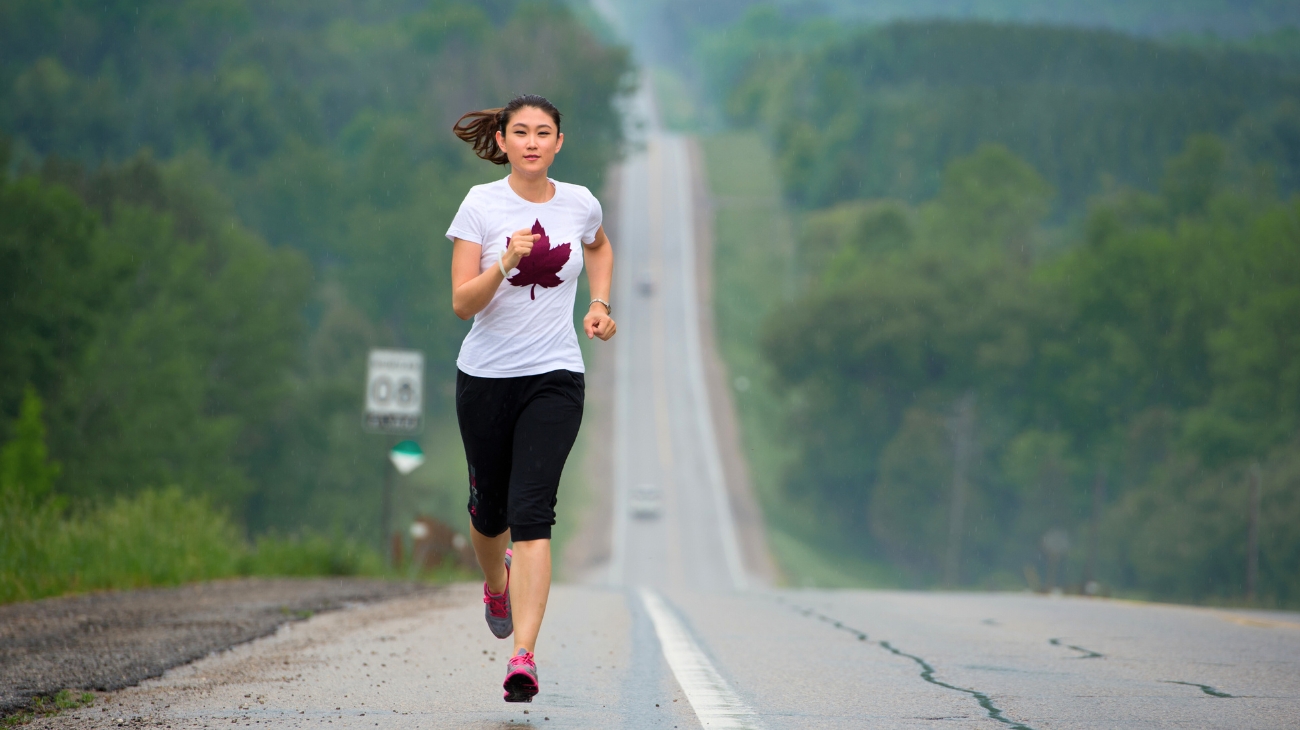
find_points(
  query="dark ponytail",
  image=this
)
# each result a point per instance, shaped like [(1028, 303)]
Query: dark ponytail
[(480, 128)]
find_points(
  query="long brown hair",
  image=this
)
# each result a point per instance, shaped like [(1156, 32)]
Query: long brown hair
[(480, 128)]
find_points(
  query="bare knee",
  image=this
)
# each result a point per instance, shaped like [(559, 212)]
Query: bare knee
[(533, 547)]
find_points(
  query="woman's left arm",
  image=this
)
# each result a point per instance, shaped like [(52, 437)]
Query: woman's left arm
[(599, 261)]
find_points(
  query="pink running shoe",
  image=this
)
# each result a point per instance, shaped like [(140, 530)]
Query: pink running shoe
[(497, 610), (521, 677)]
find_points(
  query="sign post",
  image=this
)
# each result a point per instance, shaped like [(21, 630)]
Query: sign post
[(395, 405)]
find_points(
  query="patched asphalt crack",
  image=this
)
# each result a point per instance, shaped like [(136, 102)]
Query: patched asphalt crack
[(1207, 689), (1086, 653), (927, 670)]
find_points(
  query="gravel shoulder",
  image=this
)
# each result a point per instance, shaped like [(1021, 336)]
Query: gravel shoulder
[(108, 641)]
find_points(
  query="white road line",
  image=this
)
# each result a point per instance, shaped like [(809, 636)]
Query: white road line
[(680, 166), (715, 703)]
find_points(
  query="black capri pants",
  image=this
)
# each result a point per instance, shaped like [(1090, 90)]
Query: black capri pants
[(517, 433)]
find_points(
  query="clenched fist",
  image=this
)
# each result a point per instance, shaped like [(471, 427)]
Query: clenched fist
[(598, 323), (521, 244)]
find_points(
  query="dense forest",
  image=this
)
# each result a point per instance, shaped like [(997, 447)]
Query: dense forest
[(1049, 309), (879, 112), (667, 30), (1140, 17), (1127, 385), (209, 211)]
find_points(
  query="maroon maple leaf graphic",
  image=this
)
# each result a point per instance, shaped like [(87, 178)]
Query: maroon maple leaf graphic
[(540, 268)]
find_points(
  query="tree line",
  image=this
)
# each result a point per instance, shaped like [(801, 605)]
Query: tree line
[(880, 111), (1049, 320), (209, 212)]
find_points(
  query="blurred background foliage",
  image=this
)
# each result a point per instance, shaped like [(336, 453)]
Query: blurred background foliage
[(1156, 353), (1047, 257), (1089, 110), (211, 209), (1040, 256)]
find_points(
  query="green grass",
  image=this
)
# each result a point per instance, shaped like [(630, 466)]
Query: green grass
[(151, 539), (154, 538), (49, 707), (754, 272), (310, 554)]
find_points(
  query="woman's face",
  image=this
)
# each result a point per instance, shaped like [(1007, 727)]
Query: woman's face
[(530, 140)]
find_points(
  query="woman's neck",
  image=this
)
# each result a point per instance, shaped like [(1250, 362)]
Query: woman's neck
[(533, 188)]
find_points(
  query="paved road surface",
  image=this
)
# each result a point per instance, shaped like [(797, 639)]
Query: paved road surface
[(675, 633)]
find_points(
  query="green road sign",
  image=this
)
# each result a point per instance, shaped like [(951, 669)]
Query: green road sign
[(406, 456)]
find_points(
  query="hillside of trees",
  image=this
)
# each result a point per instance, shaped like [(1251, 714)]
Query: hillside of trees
[(666, 30), (881, 111), (1048, 316), (1128, 385), (209, 211)]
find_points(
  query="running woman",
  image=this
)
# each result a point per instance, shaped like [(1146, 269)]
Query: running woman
[(519, 244)]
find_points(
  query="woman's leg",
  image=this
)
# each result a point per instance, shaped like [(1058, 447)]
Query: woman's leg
[(529, 589), (491, 554), (486, 413), (544, 434)]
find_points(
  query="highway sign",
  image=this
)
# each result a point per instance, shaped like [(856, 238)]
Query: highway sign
[(394, 391), (406, 456)]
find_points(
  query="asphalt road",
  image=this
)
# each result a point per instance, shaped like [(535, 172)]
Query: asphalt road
[(677, 631)]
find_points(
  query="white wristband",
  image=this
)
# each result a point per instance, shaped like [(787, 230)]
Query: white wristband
[(502, 266)]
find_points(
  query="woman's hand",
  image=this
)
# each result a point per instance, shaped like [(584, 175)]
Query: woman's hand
[(521, 244), (598, 323), (599, 261)]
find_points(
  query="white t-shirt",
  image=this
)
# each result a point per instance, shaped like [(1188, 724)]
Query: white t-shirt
[(527, 328)]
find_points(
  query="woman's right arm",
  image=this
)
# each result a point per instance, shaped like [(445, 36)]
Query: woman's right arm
[(472, 290)]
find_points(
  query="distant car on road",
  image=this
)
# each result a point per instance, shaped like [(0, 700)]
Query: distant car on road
[(645, 501), (645, 285)]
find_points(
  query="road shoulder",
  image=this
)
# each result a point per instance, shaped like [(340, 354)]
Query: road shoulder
[(751, 529), (111, 640)]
